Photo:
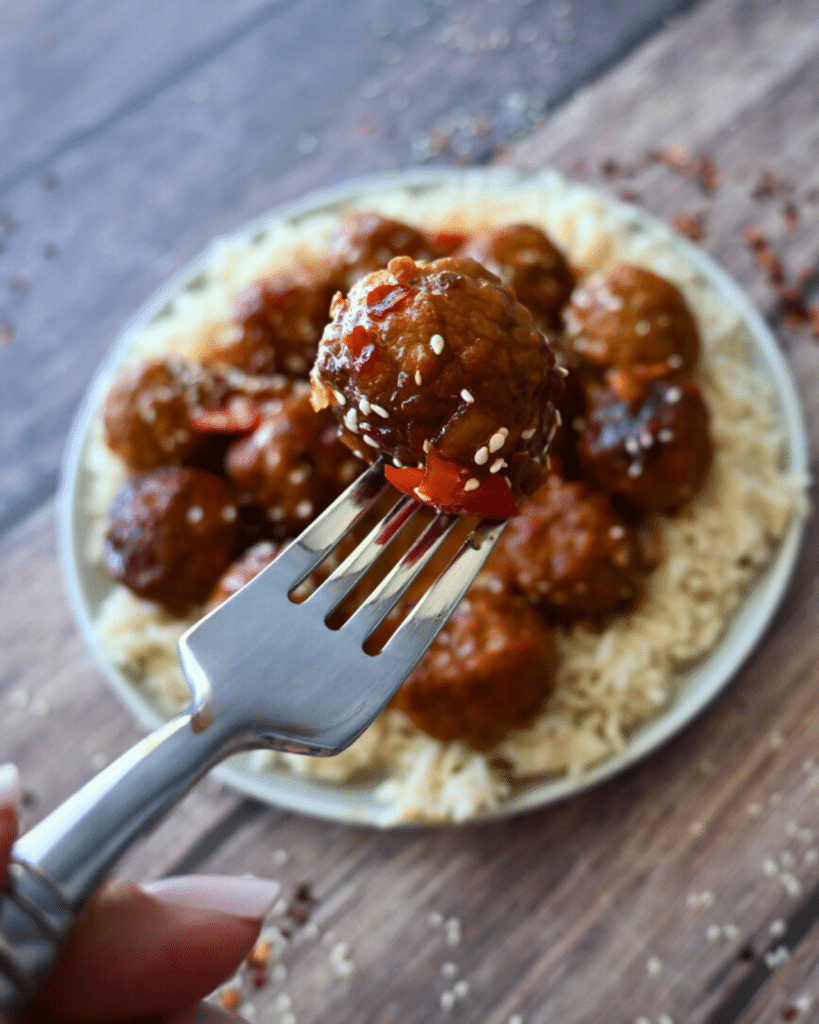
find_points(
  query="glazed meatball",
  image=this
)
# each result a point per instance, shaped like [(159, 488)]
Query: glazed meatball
[(490, 671), (277, 323), (526, 259), (628, 316), (439, 367), (292, 464), (246, 567), (570, 552), (367, 241), (653, 452), (150, 410), (171, 535)]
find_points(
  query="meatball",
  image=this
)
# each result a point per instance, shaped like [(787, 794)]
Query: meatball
[(150, 410), (628, 316), (292, 464), (277, 323), (526, 259), (653, 452), (490, 671), (367, 241), (246, 567), (439, 367), (571, 553), (171, 535)]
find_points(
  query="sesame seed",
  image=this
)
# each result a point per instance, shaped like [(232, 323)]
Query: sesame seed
[(713, 932), (646, 440), (769, 867), (427, 446), (673, 395), (777, 928), (526, 434), (339, 397), (754, 810), (380, 412), (299, 474), (304, 509), (496, 441), (371, 441), (280, 857), (449, 970), (419, 380), (195, 514), (617, 532), (675, 360), (467, 396), (351, 420), (562, 371), (482, 455), (653, 966), (635, 469), (229, 513), (632, 445), (437, 343), (447, 1000), (472, 484), (497, 465), (777, 957), (665, 435), (460, 988), (365, 406), (515, 1019), (642, 328)]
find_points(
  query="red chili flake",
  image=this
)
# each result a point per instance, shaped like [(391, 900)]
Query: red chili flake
[(790, 1013), (238, 417), (19, 284), (754, 238), (707, 173), (7, 222), (629, 195), (50, 251), (813, 313), (6, 334), (805, 274), (261, 976), (771, 264), (363, 348), (385, 299), (610, 168), (674, 157), (230, 998), (441, 484), (790, 215), (298, 912), (691, 227), (49, 180), (766, 186), (260, 954)]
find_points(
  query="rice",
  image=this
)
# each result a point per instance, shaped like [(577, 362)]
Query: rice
[(609, 683)]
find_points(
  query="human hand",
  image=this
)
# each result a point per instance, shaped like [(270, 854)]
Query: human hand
[(145, 953)]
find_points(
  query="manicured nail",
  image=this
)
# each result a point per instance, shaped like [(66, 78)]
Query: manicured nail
[(202, 1013), (225, 894), (9, 786)]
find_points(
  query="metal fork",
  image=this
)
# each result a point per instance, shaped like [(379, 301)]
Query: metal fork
[(264, 672)]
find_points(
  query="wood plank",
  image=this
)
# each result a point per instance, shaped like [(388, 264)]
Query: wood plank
[(60, 723), (256, 123), (64, 69)]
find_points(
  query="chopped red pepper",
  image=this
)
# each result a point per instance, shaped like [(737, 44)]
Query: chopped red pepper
[(447, 242), (441, 484), (238, 417), (363, 348), (388, 298)]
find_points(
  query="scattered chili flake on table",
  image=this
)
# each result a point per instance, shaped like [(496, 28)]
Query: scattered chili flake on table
[(707, 173), (691, 227)]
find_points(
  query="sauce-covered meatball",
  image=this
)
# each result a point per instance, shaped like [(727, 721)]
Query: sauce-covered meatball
[(292, 464), (490, 671), (171, 534), (571, 553), (438, 366), (277, 323), (367, 241), (150, 410), (653, 451), (526, 259), (245, 568), (628, 316)]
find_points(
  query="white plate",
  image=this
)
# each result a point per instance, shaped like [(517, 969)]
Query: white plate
[(87, 585)]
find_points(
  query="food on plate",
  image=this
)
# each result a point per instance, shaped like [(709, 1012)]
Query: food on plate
[(652, 448), (490, 671), (629, 316), (611, 580), (291, 466), (526, 259), (571, 553), (172, 533), (438, 366)]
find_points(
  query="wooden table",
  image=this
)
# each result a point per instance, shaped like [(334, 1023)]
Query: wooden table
[(687, 889)]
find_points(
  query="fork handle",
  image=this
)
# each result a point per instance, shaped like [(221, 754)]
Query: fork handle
[(58, 864)]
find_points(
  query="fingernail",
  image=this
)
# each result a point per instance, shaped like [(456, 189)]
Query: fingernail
[(202, 1013), (225, 894), (9, 785)]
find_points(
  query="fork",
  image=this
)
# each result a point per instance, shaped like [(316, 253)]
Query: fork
[(264, 672)]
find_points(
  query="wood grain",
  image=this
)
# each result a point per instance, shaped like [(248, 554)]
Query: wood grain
[(170, 159)]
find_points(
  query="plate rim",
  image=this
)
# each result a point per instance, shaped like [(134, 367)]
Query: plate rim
[(348, 802)]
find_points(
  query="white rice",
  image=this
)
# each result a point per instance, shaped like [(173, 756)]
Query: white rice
[(609, 683)]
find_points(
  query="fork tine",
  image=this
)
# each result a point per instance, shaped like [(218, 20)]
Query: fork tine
[(339, 584), (383, 599), (425, 621), (316, 542)]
